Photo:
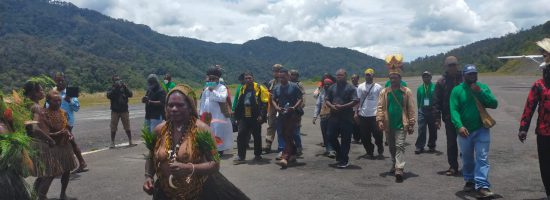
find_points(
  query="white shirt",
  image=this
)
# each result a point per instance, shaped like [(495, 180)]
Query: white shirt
[(368, 102)]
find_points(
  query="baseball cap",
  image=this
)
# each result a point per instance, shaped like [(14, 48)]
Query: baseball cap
[(469, 68), (426, 73), (369, 71)]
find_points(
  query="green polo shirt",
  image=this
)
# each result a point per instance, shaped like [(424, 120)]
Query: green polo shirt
[(463, 107), (424, 92)]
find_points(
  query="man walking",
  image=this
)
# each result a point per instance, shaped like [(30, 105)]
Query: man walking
[(539, 95), (118, 94), (271, 112), (295, 78), (474, 139), (70, 105), (368, 93), (424, 100), (395, 115), (287, 101), (341, 98), (250, 111), (441, 95)]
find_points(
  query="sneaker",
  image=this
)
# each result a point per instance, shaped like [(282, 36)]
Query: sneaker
[(112, 145), (399, 175), (418, 151), (332, 154), (343, 165), (469, 187), (220, 152), (238, 161), (299, 151), (283, 163), (485, 193), (431, 150), (279, 156)]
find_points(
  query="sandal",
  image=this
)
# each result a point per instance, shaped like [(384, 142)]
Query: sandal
[(451, 172)]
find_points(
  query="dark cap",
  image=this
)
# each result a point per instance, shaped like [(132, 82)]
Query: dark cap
[(469, 68), (451, 60)]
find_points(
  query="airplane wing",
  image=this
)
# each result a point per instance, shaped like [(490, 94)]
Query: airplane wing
[(535, 58)]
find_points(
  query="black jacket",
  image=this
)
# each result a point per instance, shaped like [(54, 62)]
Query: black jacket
[(119, 98), (442, 93)]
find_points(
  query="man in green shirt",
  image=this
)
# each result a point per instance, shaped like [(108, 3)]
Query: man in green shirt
[(395, 115), (474, 138), (424, 101), (167, 84)]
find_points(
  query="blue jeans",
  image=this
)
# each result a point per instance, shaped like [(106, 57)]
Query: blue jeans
[(281, 141), (475, 149), (426, 120), (152, 123), (344, 128)]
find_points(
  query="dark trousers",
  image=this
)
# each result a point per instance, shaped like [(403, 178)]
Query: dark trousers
[(249, 127), (452, 146), (368, 129), (288, 123), (343, 127), (356, 132), (426, 120), (324, 126), (543, 148)]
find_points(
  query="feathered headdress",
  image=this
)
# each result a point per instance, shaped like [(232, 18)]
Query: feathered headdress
[(394, 63)]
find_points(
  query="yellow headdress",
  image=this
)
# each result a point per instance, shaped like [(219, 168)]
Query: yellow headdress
[(394, 63)]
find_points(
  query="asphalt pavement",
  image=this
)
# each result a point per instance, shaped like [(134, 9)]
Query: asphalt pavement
[(514, 174)]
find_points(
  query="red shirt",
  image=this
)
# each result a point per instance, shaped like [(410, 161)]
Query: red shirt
[(539, 95)]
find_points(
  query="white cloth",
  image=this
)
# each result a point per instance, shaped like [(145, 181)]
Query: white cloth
[(367, 107), (221, 125)]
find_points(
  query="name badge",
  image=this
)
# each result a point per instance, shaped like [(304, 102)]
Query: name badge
[(426, 102)]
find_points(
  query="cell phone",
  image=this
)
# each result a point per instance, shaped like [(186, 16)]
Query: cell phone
[(73, 92)]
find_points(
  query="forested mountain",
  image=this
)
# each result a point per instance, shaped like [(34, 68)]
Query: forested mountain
[(484, 53), (43, 36)]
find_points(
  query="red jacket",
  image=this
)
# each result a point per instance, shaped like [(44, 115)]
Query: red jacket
[(539, 95)]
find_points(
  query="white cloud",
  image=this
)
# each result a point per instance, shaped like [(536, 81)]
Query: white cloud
[(414, 28)]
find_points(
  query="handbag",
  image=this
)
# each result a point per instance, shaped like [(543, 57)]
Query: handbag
[(486, 119)]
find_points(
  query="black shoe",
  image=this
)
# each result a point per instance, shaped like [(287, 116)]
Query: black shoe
[(418, 151), (220, 152), (431, 150), (451, 172), (485, 193), (392, 169), (238, 161), (469, 187), (258, 158)]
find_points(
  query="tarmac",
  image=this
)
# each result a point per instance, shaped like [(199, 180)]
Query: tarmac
[(514, 174)]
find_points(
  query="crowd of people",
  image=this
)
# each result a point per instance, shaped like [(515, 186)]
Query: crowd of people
[(194, 131)]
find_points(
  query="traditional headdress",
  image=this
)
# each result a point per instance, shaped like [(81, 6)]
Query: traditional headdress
[(394, 63), (189, 95)]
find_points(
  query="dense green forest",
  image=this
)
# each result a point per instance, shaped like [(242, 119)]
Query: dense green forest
[(43, 36), (484, 53)]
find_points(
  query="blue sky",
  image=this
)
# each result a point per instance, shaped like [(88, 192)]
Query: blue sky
[(413, 28)]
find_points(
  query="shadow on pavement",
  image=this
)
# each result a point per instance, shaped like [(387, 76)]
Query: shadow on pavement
[(462, 195), (355, 167)]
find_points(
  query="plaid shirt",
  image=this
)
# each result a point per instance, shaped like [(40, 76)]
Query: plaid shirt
[(538, 95)]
